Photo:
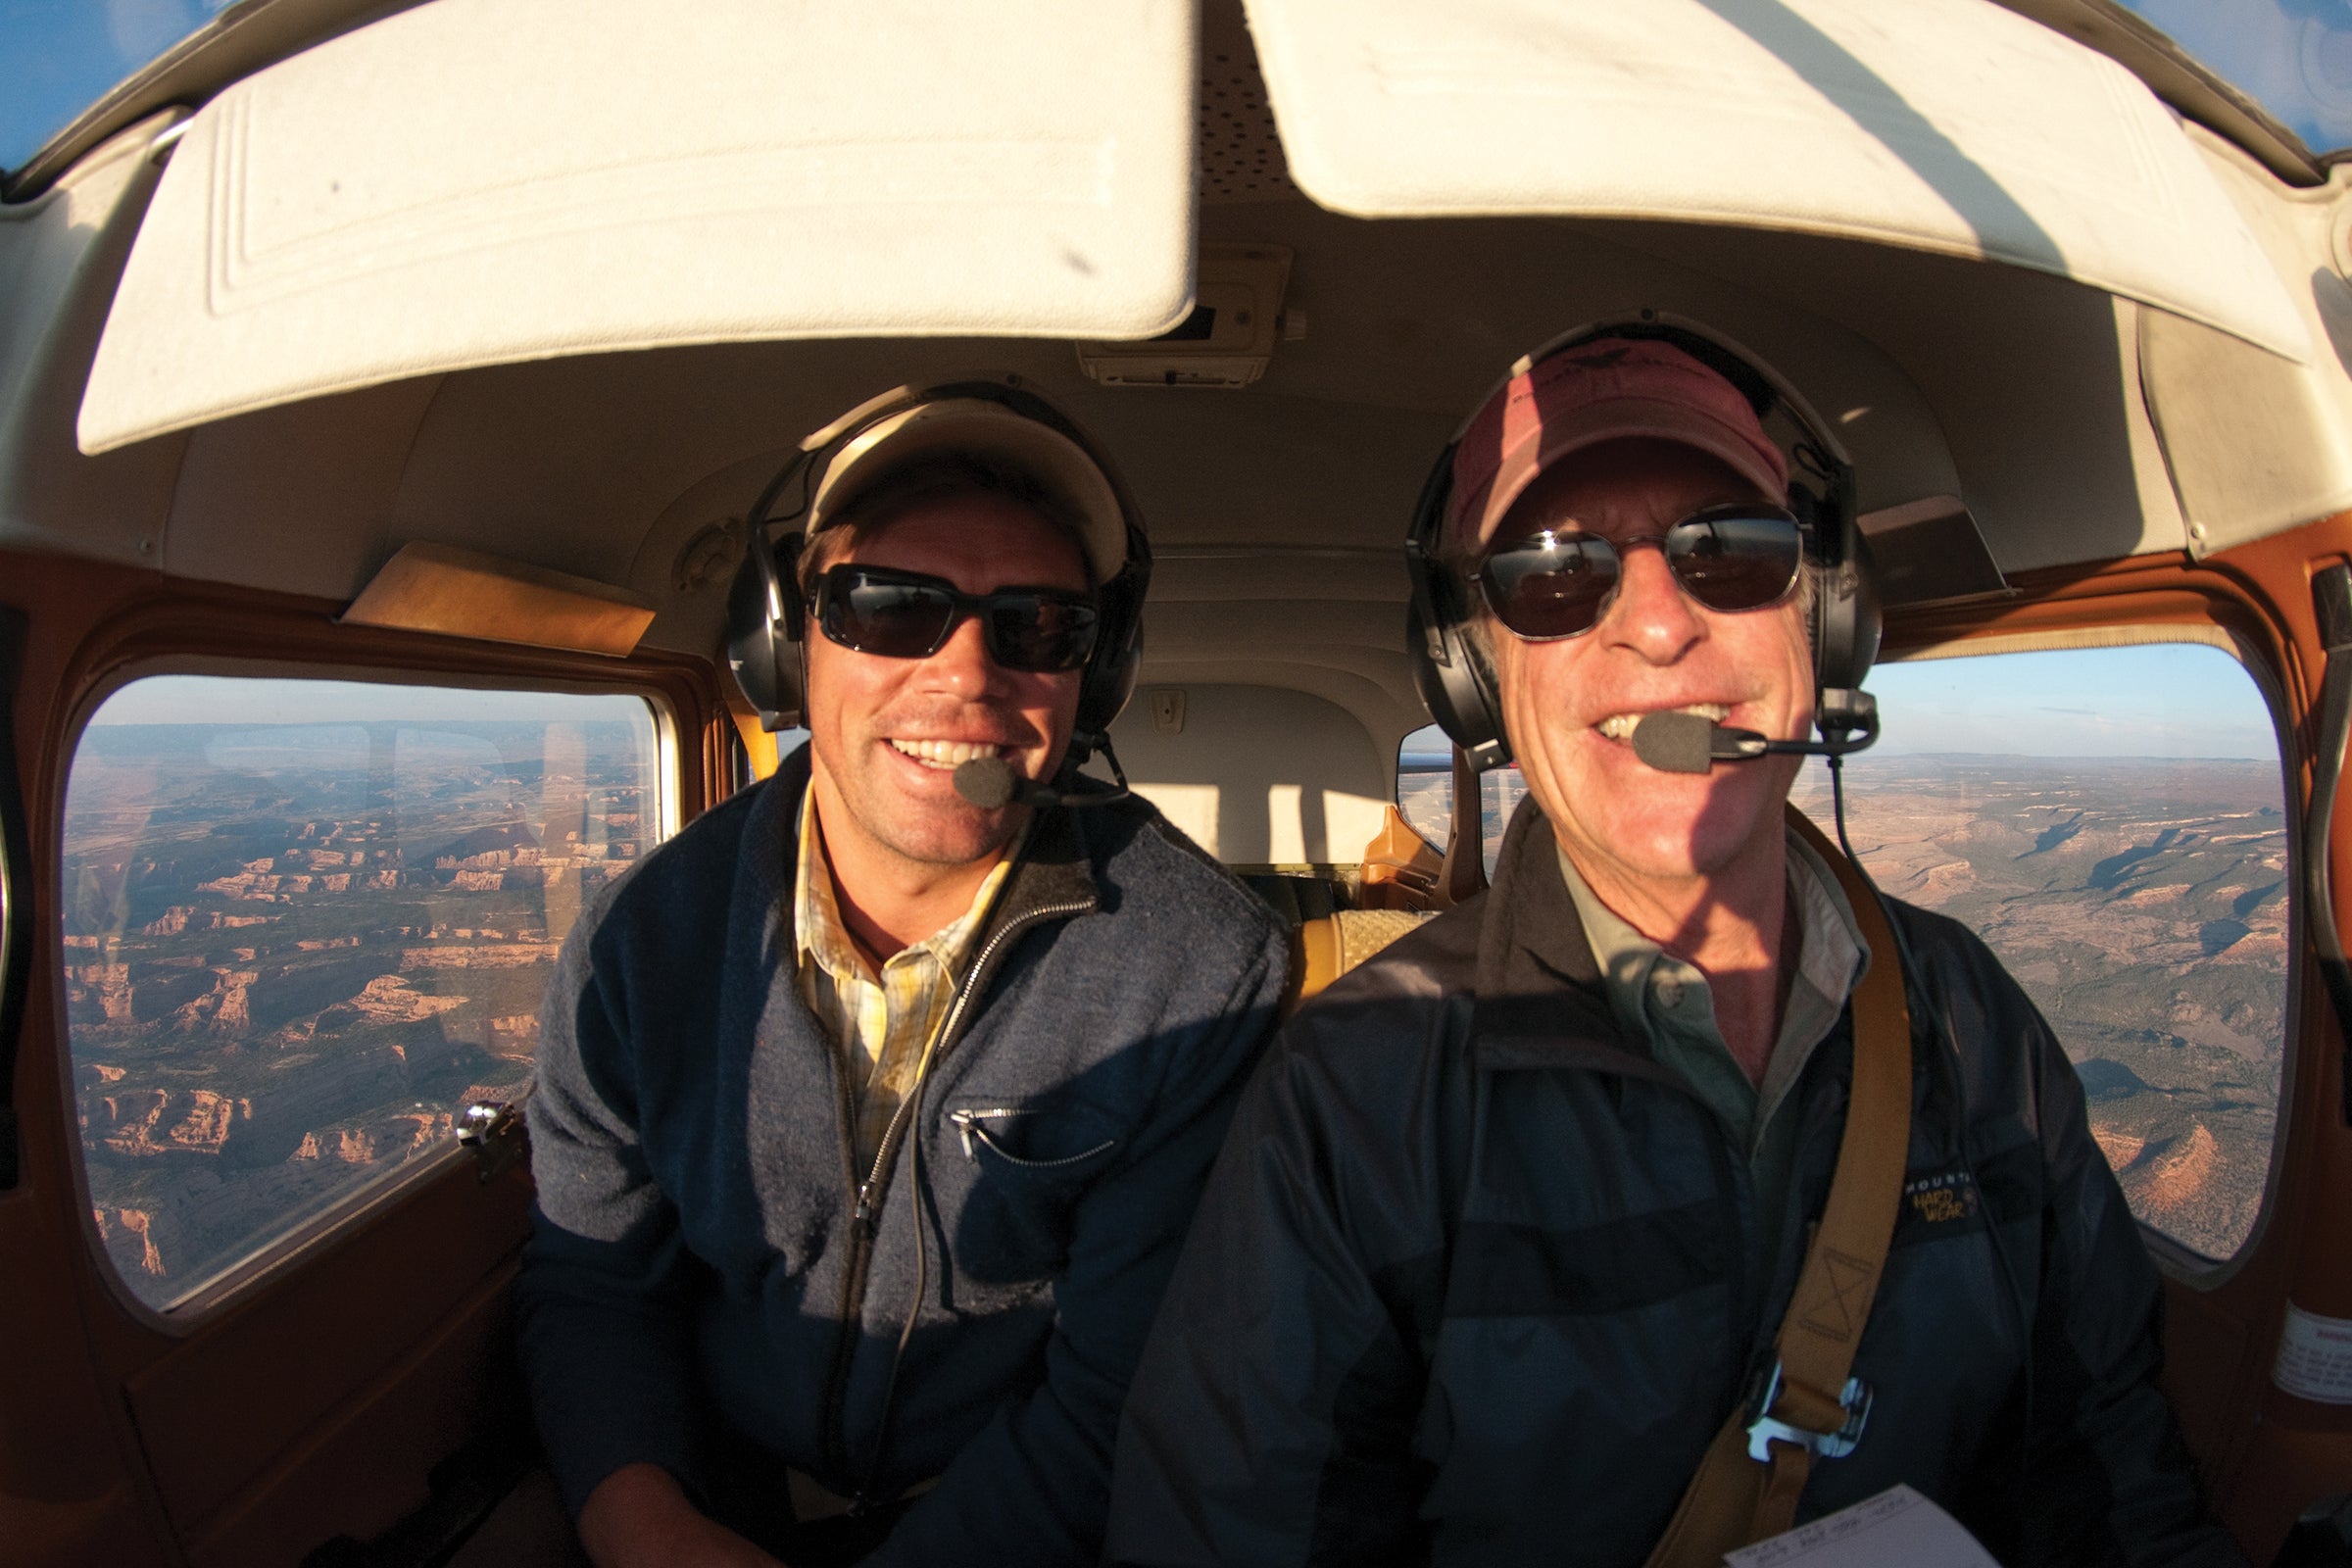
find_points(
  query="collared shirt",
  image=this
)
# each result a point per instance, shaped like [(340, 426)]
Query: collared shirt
[(1668, 1003), (879, 1024)]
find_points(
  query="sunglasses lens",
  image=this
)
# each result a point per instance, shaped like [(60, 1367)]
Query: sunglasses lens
[(876, 615), (902, 616), (1039, 632), (1554, 585), (1735, 560)]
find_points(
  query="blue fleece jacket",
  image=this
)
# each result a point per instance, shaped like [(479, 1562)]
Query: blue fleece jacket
[(697, 1265)]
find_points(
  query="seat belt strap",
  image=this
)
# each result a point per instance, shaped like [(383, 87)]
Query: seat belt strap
[(1808, 1404)]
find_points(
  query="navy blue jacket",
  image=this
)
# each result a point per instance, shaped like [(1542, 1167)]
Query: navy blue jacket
[(699, 1273), (1474, 1282)]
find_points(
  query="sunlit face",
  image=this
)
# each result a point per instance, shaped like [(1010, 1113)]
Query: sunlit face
[(1655, 648), (886, 734)]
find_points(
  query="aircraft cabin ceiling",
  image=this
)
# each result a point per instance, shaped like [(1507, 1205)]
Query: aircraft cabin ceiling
[(2127, 374)]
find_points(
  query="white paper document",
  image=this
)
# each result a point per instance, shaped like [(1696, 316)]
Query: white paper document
[(1897, 1525), (2315, 1357)]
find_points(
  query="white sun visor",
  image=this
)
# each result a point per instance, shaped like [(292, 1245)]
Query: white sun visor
[(477, 182), (1947, 125)]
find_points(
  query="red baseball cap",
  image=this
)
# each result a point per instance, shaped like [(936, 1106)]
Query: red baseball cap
[(1607, 389)]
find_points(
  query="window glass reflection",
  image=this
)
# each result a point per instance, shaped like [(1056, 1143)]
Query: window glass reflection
[(2292, 56), (2113, 824), (307, 924)]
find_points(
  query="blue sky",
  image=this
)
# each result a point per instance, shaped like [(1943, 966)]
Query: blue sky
[(233, 700), (2157, 700), (62, 55), (2292, 56), (2161, 699), (2170, 700)]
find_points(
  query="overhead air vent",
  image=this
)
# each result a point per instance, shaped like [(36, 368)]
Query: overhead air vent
[(1930, 551), (1228, 340)]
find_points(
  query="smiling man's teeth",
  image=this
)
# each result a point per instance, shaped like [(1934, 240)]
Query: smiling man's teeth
[(1620, 726), (944, 753)]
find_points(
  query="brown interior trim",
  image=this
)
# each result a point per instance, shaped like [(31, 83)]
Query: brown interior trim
[(2260, 1452), (323, 1337), (16, 893), (92, 625), (2145, 590), (467, 593), (164, 624)]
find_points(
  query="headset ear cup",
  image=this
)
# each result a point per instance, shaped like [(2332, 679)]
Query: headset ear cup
[(1455, 684), (763, 622), (792, 642), (1869, 620), (792, 685), (1846, 620), (1118, 656), (1457, 692), (1109, 686)]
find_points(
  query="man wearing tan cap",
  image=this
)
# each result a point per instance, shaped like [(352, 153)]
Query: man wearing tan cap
[(1658, 1198), (872, 1106)]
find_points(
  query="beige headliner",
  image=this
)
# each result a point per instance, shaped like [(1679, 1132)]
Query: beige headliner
[(1966, 130), (478, 181), (1276, 511)]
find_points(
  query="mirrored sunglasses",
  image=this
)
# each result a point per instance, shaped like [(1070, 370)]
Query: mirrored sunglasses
[(1553, 585), (905, 614)]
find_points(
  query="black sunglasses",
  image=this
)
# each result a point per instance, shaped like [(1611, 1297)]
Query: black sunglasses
[(905, 614), (1554, 585)]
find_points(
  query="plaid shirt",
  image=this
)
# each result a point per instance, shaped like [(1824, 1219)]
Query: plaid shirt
[(880, 1025)]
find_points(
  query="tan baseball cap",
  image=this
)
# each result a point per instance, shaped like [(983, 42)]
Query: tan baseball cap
[(1607, 389), (986, 428)]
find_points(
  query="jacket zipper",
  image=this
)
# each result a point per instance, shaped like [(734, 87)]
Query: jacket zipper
[(968, 1125), (865, 1220)]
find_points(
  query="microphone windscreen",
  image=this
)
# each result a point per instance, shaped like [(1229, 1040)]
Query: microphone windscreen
[(987, 782), (1671, 742)]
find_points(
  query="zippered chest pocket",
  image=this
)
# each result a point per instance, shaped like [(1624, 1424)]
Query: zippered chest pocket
[(1016, 1188), (1043, 1138)]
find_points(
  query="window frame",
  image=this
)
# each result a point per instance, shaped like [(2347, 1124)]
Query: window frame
[(1398, 774), (678, 696), (2230, 631), (17, 908), (2231, 634)]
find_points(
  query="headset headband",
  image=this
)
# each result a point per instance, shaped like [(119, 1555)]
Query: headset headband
[(766, 617), (1452, 677)]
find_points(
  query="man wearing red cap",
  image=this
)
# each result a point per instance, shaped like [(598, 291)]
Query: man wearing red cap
[(1503, 1238)]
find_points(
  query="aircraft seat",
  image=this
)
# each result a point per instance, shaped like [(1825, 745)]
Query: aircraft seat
[(1323, 950)]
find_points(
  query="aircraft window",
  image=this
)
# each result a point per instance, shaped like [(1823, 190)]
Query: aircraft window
[(1258, 776), (1425, 792), (2112, 821), (2292, 56), (66, 57), (306, 925)]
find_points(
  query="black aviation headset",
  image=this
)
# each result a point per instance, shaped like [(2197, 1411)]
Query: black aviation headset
[(1455, 680), (767, 620)]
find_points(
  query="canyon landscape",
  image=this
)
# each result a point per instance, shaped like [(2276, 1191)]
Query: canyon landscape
[(294, 957), (2141, 903)]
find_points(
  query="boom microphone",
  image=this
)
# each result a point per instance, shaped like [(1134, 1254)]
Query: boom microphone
[(1690, 743), (990, 783)]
